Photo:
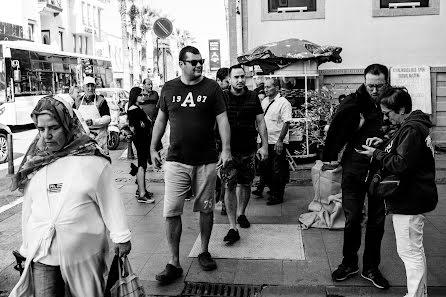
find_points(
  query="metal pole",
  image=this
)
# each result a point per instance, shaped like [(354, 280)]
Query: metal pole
[(157, 57), (306, 107), (164, 65), (10, 154)]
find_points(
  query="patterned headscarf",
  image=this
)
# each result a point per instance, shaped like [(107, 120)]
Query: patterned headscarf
[(78, 142)]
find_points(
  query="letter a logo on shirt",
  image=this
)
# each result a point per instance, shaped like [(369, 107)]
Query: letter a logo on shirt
[(189, 100)]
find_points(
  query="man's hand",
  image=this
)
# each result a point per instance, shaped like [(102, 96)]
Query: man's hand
[(263, 153), (374, 141), (225, 158), (278, 147), (329, 165), (156, 158), (123, 249), (89, 122), (367, 151)]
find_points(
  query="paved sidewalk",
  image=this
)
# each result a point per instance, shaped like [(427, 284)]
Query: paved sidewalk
[(310, 277)]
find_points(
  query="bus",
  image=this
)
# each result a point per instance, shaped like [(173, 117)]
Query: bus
[(30, 71)]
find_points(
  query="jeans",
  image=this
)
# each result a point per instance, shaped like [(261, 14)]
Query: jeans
[(353, 196), (48, 281), (409, 243)]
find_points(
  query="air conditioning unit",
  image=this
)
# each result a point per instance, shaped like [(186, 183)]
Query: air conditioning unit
[(404, 4), (292, 9)]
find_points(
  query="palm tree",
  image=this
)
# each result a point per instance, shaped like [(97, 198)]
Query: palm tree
[(147, 19), (125, 47), (134, 16), (183, 38)]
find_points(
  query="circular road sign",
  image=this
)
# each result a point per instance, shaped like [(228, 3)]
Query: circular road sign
[(162, 27)]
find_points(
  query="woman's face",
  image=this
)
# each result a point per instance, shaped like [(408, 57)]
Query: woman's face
[(142, 97), (394, 117), (51, 132)]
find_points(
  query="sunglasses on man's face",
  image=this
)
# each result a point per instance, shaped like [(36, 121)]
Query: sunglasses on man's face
[(195, 62)]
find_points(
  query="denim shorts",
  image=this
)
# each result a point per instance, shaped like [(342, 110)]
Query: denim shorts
[(179, 178)]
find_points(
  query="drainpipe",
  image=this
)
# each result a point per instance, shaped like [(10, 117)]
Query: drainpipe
[(239, 27)]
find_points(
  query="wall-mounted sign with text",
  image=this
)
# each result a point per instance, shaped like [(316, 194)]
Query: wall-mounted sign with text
[(214, 54), (417, 80)]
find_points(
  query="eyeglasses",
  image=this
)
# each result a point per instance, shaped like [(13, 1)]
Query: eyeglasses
[(195, 62), (378, 86), (386, 113)]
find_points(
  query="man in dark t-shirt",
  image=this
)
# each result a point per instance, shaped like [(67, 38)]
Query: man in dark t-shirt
[(244, 112), (192, 104), (150, 100)]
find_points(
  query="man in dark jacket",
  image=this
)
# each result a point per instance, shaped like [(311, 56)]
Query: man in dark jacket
[(359, 117)]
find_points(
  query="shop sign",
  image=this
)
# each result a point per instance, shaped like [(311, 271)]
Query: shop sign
[(214, 54), (417, 80)]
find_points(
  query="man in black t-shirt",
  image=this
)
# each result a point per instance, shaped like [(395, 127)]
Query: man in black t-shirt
[(244, 112), (192, 104)]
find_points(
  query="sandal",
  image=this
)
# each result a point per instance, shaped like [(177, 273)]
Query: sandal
[(169, 274)]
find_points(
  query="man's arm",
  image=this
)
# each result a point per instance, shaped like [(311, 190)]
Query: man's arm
[(279, 144), (261, 128), (157, 133), (225, 134)]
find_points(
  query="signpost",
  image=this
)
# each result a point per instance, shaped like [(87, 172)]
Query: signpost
[(162, 28), (417, 80), (214, 54)]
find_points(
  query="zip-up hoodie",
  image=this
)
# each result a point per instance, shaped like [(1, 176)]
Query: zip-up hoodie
[(409, 154)]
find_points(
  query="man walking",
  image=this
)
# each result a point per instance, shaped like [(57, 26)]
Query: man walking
[(192, 103), (244, 112), (277, 113), (150, 100), (359, 117)]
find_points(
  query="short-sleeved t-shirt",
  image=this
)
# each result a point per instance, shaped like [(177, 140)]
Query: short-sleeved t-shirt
[(149, 106), (242, 114), (191, 110)]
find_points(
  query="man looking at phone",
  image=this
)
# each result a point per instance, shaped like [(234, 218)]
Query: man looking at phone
[(244, 112), (359, 117)]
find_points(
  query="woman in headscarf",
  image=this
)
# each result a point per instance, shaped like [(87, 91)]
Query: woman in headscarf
[(409, 155), (141, 127), (70, 199)]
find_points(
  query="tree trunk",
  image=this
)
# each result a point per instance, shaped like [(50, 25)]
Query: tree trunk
[(125, 50)]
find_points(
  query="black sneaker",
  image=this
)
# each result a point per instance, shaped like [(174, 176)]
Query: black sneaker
[(223, 210), (169, 274), (343, 272), (377, 279), (206, 262), (257, 192), (243, 221), (274, 201), (232, 236)]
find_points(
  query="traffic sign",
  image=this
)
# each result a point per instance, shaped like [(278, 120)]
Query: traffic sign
[(162, 27)]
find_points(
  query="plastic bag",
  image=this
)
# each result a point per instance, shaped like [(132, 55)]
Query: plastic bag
[(128, 284)]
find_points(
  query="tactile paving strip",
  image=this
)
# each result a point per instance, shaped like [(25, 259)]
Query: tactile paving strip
[(260, 241)]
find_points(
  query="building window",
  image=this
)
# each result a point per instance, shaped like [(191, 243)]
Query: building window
[(281, 10), (86, 45), (31, 32), (95, 15), (61, 40), (46, 37), (291, 5), (74, 43), (403, 3), (88, 14), (84, 14), (389, 8), (81, 48)]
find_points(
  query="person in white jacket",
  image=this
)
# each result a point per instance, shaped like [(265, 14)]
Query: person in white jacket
[(70, 199)]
